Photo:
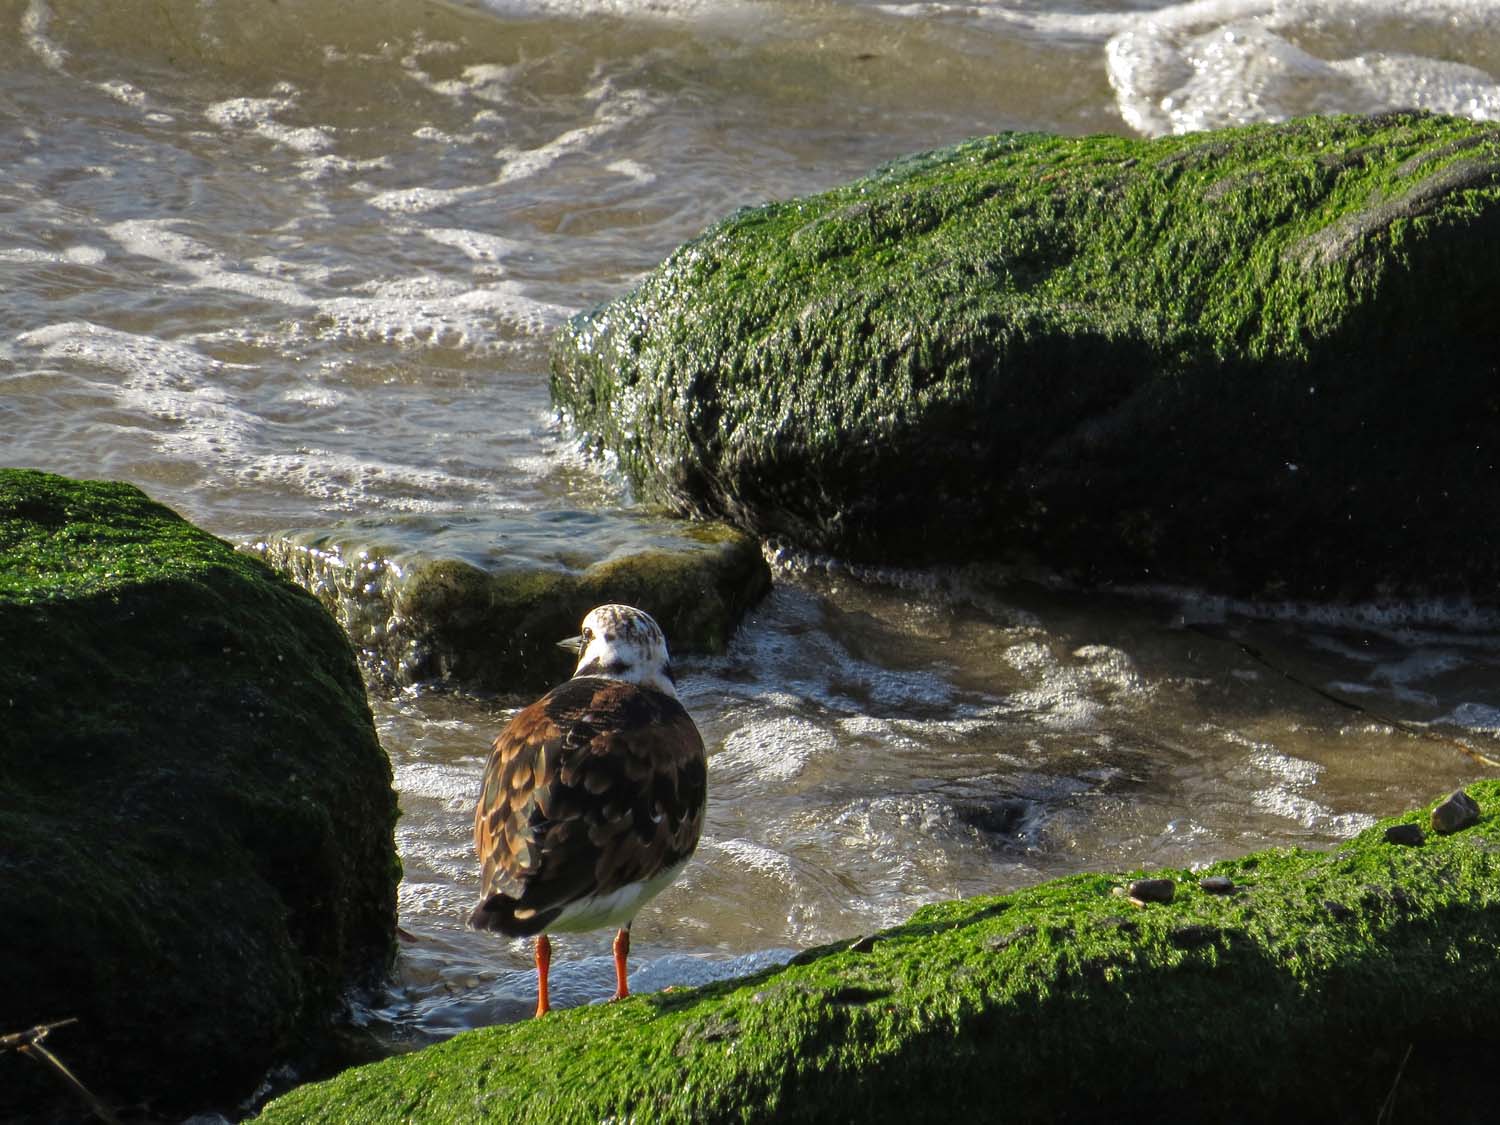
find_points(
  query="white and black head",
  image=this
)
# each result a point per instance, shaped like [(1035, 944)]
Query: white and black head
[(620, 642)]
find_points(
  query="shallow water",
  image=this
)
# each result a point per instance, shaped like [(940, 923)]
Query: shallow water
[(283, 266)]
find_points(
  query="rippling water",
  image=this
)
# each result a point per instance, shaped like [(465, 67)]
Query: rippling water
[(284, 264)]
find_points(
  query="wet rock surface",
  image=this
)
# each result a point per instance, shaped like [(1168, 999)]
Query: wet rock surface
[(1176, 360), (481, 602), (196, 815), (1204, 1008)]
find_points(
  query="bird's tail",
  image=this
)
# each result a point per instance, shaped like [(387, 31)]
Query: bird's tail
[(505, 915)]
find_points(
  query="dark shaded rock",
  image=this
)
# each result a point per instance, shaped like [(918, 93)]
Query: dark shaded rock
[(483, 600), (1200, 359), (1408, 835), (196, 815), (1458, 812), (1152, 890), (1216, 885)]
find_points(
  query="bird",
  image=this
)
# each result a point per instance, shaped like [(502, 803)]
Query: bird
[(593, 796)]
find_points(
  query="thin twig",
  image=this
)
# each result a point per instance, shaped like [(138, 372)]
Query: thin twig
[(1388, 1107), (29, 1043), (15, 1040)]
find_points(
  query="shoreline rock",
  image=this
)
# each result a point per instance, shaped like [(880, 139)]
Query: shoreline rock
[(1208, 1007), (1254, 360), (481, 601), (197, 818)]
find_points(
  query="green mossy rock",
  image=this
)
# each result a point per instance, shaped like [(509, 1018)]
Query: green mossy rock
[(1293, 998), (481, 601), (196, 819), (1262, 359)]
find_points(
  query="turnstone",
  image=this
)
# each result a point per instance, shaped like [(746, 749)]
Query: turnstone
[(593, 795)]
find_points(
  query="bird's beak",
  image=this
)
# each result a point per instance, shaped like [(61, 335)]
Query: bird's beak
[(572, 644)]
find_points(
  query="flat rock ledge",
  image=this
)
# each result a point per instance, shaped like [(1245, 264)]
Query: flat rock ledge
[(481, 601), (1259, 360), (1294, 994), (196, 818)]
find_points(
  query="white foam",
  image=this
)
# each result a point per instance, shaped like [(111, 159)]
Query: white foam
[(1214, 63), (418, 200), (161, 241), (34, 24), (327, 166), (778, 749), (258, 115), (476, 245), (614, 109), (168, 381), (1073, 696), (752, 857), (73, 255), (662, 10), (438, 312), (1211, 63)]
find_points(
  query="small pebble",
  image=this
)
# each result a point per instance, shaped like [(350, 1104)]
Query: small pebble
[(1409, 834), (1458, 811), (1216, 884), (1151, 890), (862, 944)]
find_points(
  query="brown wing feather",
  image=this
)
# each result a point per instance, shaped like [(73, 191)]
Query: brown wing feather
[(597, 785)]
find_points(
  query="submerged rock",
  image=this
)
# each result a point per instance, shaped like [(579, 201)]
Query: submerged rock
[(1259, 360), (1206, 1008), (483, 600), (196, 819)]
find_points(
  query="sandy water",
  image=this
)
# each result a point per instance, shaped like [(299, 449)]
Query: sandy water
[(286, 264)]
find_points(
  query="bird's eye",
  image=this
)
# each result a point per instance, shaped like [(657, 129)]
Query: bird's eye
[(588, 635)]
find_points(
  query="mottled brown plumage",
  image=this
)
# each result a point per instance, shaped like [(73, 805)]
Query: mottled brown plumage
[(593, 796), (596, 786)]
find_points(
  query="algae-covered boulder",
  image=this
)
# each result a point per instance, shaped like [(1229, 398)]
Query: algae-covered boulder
[(196, 818), (482, 600), (1287, 985), (1261, 359)]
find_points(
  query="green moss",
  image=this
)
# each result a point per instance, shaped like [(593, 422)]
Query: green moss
[(196, 812), (1228, 358), (441, 608), (1293, 998)]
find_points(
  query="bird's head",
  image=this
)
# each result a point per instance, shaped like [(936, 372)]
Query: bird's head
[(620, 642)]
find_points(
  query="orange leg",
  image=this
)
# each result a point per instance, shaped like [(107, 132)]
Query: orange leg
[(622, 951), (543, 964)]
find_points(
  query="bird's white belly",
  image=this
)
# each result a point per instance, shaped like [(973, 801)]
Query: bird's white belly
[(614, 909)]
